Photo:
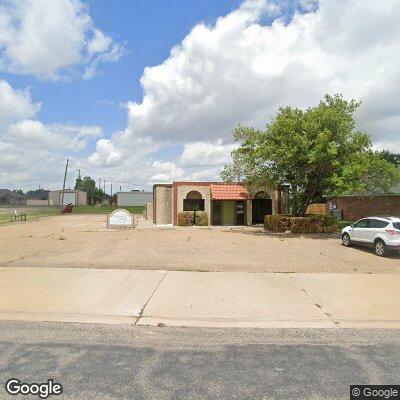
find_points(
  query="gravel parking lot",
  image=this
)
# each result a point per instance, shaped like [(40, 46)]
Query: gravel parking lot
[(84, 241)]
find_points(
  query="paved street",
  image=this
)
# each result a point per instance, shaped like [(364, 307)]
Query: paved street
[(121, 362), (208, 299)]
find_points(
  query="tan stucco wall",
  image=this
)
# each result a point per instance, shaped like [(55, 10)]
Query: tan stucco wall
[(162, 205), (54, 198), (249, 212), (149, 211), (183, 190), (82, 198), (37, 202)]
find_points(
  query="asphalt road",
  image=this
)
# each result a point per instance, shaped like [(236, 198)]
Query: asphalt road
[(125, 362)]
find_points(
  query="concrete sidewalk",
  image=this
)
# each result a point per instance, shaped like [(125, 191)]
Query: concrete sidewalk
[(210, 299)]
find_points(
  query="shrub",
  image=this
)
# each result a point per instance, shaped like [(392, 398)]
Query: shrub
[(307, 224), (185, 218), (314, 224), (277, 222), (201, 218)]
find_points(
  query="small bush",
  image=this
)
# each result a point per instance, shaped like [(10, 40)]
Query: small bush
[(277, 222), (307, 224), (201, 218), (314, 224), (185, 218)]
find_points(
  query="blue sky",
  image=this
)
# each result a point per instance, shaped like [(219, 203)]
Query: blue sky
[(148, 30), (148, 91)]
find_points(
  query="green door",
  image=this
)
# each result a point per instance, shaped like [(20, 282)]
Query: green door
[(228, 212)]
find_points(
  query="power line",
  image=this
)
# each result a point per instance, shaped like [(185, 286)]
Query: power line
[(96, 174)]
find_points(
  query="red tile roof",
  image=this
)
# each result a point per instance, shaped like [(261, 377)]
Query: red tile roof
[(227, 191)]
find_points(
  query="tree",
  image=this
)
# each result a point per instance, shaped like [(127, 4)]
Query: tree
[(368, 174), (88, 185), (393, 158), (309, 152)]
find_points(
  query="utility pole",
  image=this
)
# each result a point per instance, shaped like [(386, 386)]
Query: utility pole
[(111, 189), (100, 183), (104, 181), (65, 178)]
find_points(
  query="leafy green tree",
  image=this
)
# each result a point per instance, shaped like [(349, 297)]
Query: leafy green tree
[(309, 152), (393, 158), (368, 174), (88, 185)]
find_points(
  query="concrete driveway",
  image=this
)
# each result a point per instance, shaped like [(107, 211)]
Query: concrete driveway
[(84, 241)]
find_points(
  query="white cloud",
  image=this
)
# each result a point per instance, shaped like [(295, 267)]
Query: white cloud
[(202, 154), (33, 152), (105, 154), (44, 38), (15, 104), (53, 137), (239, 71)]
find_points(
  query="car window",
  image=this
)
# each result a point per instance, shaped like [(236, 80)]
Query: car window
[(396, 225), (376, 223), (363, 223)]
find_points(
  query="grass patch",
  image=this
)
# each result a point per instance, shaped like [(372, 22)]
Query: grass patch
[(343, 224), (30, 214), (105, 209)]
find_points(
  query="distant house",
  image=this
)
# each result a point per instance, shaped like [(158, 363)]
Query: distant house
[(37, 198), (134, 198), (71, 196), (225, 203), (11, 198)]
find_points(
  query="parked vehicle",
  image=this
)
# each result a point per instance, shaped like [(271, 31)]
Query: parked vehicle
[(381, 233)]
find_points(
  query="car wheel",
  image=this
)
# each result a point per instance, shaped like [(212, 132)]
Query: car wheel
[(380, 248), (346, 240)]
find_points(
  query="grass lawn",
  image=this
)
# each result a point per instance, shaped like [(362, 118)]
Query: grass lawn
[(31, 214), (105, 209)]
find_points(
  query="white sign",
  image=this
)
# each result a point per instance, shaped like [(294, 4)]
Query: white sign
[(120, 219)]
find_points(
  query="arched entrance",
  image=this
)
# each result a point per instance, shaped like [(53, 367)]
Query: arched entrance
[(261, 206), (193, 201)]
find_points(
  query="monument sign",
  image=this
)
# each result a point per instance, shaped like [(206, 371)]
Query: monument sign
[(120, 219)]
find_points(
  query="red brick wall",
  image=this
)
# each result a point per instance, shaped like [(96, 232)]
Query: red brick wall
[(354, 208)]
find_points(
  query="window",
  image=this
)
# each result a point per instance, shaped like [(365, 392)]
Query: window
[(363, 223), (376, 223), (193, 202), (396, 225), (193, 205)]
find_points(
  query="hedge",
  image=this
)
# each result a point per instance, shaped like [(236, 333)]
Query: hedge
[(307, 224), (185, 218), (201, 218), (277, 222), (190, 218), (314, 224)]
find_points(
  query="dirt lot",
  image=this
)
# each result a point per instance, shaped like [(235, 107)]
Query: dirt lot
[(84, 241)]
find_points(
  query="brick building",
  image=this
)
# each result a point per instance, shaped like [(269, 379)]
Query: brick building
[(356, 207), (225, 203)]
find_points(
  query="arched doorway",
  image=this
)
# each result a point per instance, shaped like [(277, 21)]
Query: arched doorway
[(261, 206), (193, 201)]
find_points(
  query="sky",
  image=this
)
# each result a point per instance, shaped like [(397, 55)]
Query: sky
[(146, 91)]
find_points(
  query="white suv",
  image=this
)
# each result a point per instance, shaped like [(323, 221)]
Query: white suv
[(382, 233)]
